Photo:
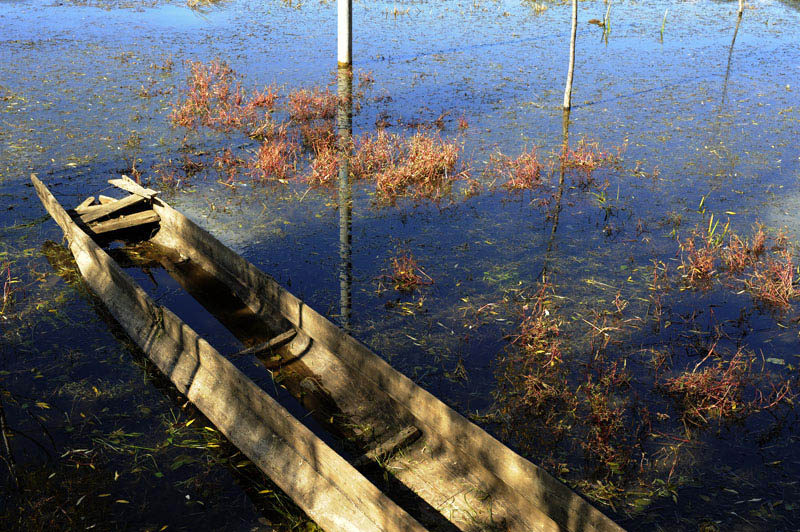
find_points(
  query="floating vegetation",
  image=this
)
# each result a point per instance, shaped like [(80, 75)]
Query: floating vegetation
[(8, 288), (768, 273), (405, 273), (718, 390), (523, 172)]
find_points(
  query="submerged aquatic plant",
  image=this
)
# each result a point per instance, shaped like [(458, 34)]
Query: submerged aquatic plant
[(537, 364), (405, 273), (587, 157), (772, 281), (229, 164), (523, 172), (718, 391), (8, 289)]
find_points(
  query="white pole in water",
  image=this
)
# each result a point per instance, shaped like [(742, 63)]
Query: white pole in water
[(571, 69), (345, 32)]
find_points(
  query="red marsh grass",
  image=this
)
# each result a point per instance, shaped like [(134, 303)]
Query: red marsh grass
[(698, 261), (318, 136), (374, 152), (405, 273), (324, 167), (310, 104), (715, 392), (523, 172), (215, 99), (427, 165), (275, 160), (772, 281), (767, 274), (8, 288)]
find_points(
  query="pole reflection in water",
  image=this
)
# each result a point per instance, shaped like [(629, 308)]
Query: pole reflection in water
[(344, 123), (556, 212)]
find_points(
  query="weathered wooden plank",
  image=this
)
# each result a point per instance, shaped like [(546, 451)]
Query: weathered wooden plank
[(401, 439), (129, 185), (322, 483), (269, 345), (125, 222), (85, 203), (95, 212), (105, 199)]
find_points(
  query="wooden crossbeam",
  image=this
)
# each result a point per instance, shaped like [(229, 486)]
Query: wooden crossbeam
[(129, 185), (270, 345), (105, 199), (95, 212), (401, 439), (125, 222)]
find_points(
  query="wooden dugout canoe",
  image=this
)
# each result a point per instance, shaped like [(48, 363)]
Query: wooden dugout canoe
[(444, 472)]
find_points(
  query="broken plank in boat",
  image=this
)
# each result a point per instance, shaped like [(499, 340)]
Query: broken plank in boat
[(85, 203), (269, 345), (129, 185), (95, 212), (129, 221)]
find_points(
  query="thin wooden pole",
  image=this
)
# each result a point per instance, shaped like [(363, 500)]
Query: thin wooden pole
[(345, 37), (568, 89), (741, 8)]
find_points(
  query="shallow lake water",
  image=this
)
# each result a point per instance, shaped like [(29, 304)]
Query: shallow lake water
[(704, 129)]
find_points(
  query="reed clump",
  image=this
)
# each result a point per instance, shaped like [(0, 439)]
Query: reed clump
[(523, 172), (8, 288), (426, 165), (422, 165), (720, 388), (761, 264), (305, 105), (405, 273)]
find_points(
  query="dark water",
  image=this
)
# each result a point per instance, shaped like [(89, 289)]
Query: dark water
[(709, 128)]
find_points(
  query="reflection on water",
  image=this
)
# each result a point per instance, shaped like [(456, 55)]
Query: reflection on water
[(344, 130)]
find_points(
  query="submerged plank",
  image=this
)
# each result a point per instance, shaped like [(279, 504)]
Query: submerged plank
[(270, 345), (320, 481), (398, 441), (95, 212), (125, 222), (129, 185)]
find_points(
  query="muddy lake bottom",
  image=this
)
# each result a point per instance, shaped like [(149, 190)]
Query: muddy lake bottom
[(595, 321)]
